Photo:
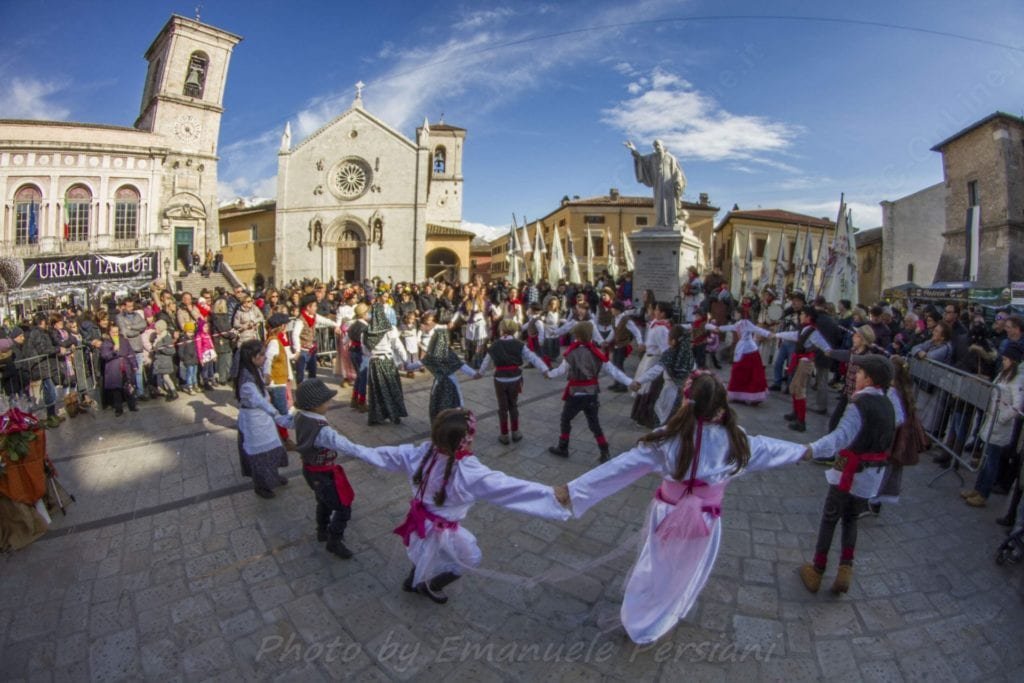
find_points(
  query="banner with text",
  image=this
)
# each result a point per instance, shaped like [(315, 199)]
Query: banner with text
[(62, 269)]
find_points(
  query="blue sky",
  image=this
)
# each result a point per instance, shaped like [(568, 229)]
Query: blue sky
[(762, 111)]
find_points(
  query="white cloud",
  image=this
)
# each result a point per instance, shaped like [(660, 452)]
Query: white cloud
[(695, 126), (28, 99), (488, 232), (480, 18), (864, 215)]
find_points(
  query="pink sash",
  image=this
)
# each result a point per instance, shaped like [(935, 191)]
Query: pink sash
[(416, 521), (691, 500)]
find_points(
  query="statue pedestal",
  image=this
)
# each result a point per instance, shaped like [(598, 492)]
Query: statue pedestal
[(661, 257)]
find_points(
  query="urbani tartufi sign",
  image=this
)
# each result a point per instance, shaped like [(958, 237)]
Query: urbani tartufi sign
[(82, 268)]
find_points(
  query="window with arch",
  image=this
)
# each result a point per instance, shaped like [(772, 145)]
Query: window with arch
[(77, 212), (440, 158), (349, 235), (195, 77), (28, 202), (126, 214)]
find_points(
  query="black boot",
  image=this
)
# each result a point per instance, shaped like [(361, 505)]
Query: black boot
[(407, 584), (321, 534), (789, 417), (714, 361), (434, 589), (335, 546), (605, 454), (561, 450), (171, 395)]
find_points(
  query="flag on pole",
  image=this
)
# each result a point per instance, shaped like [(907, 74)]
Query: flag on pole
[(538, 252), (33, 223), (524, 240), (841, 280), (808, 276), (590, 258), (512, 255), (627, 254), (67, 222), (765, 277), (781, 266), (737, 266), (748, 269), (556, 264), (798, 263), (811, 289), (613, 257), (574, 262)]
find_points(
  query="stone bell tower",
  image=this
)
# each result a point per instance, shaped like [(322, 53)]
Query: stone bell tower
[(183, 102)]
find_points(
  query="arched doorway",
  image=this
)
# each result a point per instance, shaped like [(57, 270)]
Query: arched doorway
[(350, 246), (442, 264)]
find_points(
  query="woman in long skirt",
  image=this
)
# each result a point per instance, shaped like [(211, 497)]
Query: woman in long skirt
[(383, 345), (697, 453), (747, 382), (259, 446), (443, 363), (674, 366)]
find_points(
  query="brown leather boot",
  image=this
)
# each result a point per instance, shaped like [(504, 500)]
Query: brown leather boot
[(843, 578), (811, 577)]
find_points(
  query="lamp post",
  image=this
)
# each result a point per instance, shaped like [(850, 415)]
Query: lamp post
[(167, 271)]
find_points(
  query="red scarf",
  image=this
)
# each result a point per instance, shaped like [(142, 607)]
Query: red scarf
[(282, 339), (607, 305), (310, 319), (514, 302), (590, 345)]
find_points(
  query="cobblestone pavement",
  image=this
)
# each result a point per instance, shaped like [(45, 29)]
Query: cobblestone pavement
[(169, 568)]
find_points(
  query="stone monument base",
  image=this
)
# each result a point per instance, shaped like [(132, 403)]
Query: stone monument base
[(661, 257)]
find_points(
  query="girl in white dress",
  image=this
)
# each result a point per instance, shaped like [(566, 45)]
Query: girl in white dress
[(447, 478), (697, 453)]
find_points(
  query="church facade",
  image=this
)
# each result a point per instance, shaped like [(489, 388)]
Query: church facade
[(357, 199), (143, 197)]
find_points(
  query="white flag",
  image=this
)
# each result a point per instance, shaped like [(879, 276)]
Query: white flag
[(513, 257), (613, 257), (590, 258), (748, 270), (781, 266), (627, 254), (574, 262), (538, 253), (556, 264)]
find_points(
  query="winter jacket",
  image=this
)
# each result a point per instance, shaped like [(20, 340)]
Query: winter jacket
[(119, 363), (163, 355)]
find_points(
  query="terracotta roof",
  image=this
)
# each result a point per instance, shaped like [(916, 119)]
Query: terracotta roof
[(777, 216), (629, 200), (869, 236), (444, 231), (978, 124)]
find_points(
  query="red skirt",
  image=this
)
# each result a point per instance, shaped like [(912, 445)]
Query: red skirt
[(747, 381)]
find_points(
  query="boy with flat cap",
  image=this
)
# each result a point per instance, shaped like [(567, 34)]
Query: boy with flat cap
[(319, 444)]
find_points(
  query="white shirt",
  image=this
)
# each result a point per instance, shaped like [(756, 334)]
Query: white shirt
[(747, 331), (866, 483), (656, 340)]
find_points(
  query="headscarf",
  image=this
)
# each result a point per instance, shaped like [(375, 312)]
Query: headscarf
[(379, 325), (678, 360), (440, 360)]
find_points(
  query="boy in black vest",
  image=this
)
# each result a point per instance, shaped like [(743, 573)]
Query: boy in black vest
[(860, 445), (583, 362), (507, 355), (318, 444)]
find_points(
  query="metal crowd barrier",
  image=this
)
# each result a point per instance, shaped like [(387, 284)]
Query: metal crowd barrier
[(326, 342), (952, 405), (24, 381)]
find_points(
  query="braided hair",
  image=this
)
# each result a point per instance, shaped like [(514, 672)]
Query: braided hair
[(448, 434)]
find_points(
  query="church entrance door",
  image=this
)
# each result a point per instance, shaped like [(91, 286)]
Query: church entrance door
[(348, 264)]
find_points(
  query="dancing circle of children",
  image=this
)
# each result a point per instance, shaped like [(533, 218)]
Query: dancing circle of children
[(446, 479), (697, 453), (507, 356)]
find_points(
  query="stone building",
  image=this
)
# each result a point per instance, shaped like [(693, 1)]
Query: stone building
[(145, 196), (609, 220), (983, 166), (357, 199), (870, 258), (247, 240), (762, 230), (912, 229)]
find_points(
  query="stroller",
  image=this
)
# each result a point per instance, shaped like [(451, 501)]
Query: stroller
[(1012, 549)]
